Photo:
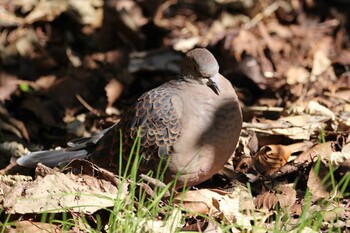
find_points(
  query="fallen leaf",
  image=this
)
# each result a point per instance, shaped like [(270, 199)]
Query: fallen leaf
[(320, 65), (284, 195), (319, 187), (8, 19), (271, 158), (8, 85), (245, 42), (8, 123), (113, 90), (56, 193), (266, 200), (295, 127), (157, 226), (33, 227), (90, 12), (297, 74), (314, 108), (304, 230), (212, 227), (199, 201), (185, 45), (46, 10), (337, 158)]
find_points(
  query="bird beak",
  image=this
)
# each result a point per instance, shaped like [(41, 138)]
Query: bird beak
[(213, 83)]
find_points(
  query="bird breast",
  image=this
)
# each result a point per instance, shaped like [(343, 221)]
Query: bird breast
[(213, 124)]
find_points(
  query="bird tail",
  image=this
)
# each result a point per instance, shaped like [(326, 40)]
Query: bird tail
[(50, 158)]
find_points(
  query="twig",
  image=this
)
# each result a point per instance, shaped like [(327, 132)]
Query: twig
[(87, 106)]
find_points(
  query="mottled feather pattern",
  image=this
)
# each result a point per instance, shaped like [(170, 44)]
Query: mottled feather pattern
[(155, 119)]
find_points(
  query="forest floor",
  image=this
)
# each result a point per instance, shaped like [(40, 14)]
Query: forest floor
[(69, 69)]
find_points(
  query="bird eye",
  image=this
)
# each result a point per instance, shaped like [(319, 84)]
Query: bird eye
[(195, 68)]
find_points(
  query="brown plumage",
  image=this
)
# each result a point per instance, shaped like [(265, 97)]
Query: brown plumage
[(192, 122)]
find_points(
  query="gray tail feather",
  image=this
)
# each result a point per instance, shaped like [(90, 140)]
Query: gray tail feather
[(50, 158)]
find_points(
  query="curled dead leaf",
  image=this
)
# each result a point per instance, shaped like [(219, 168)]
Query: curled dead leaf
[(271, 158)]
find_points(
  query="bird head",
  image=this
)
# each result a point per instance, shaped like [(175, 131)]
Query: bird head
[(201, 65)]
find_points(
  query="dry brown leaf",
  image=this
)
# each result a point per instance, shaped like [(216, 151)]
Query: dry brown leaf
[(8, 123), (46, 10), (13, 179), (296, 209), (281, 30), (271, 158), (284, 195), (57, 192), (318, 187), (221, 204), (248, 143), (12, 149), (245, 42), (299, 127), (337, 158), (8, 85), (297, 74), (314, 108), (33, 227), (244, 165), (7, 19), (131, 14), (232, 206), (90, 11), (45, 82), (266, 200), (321, 63), (275, 44), (322, 150), (41, 170), (304, 230), (113, 90), (343, 57), (200, 201), (157, 226), (212, 227), (186, 44), (325, 150), (24, 5)]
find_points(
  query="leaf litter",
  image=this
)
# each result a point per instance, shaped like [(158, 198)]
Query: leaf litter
[(69, 68)]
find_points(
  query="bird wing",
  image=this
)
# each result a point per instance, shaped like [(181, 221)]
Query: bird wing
[(154, 120)]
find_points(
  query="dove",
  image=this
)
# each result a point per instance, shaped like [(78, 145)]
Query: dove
[(188, 127)]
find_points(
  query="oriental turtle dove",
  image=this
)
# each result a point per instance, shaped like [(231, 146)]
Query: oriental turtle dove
[(188, 127)]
